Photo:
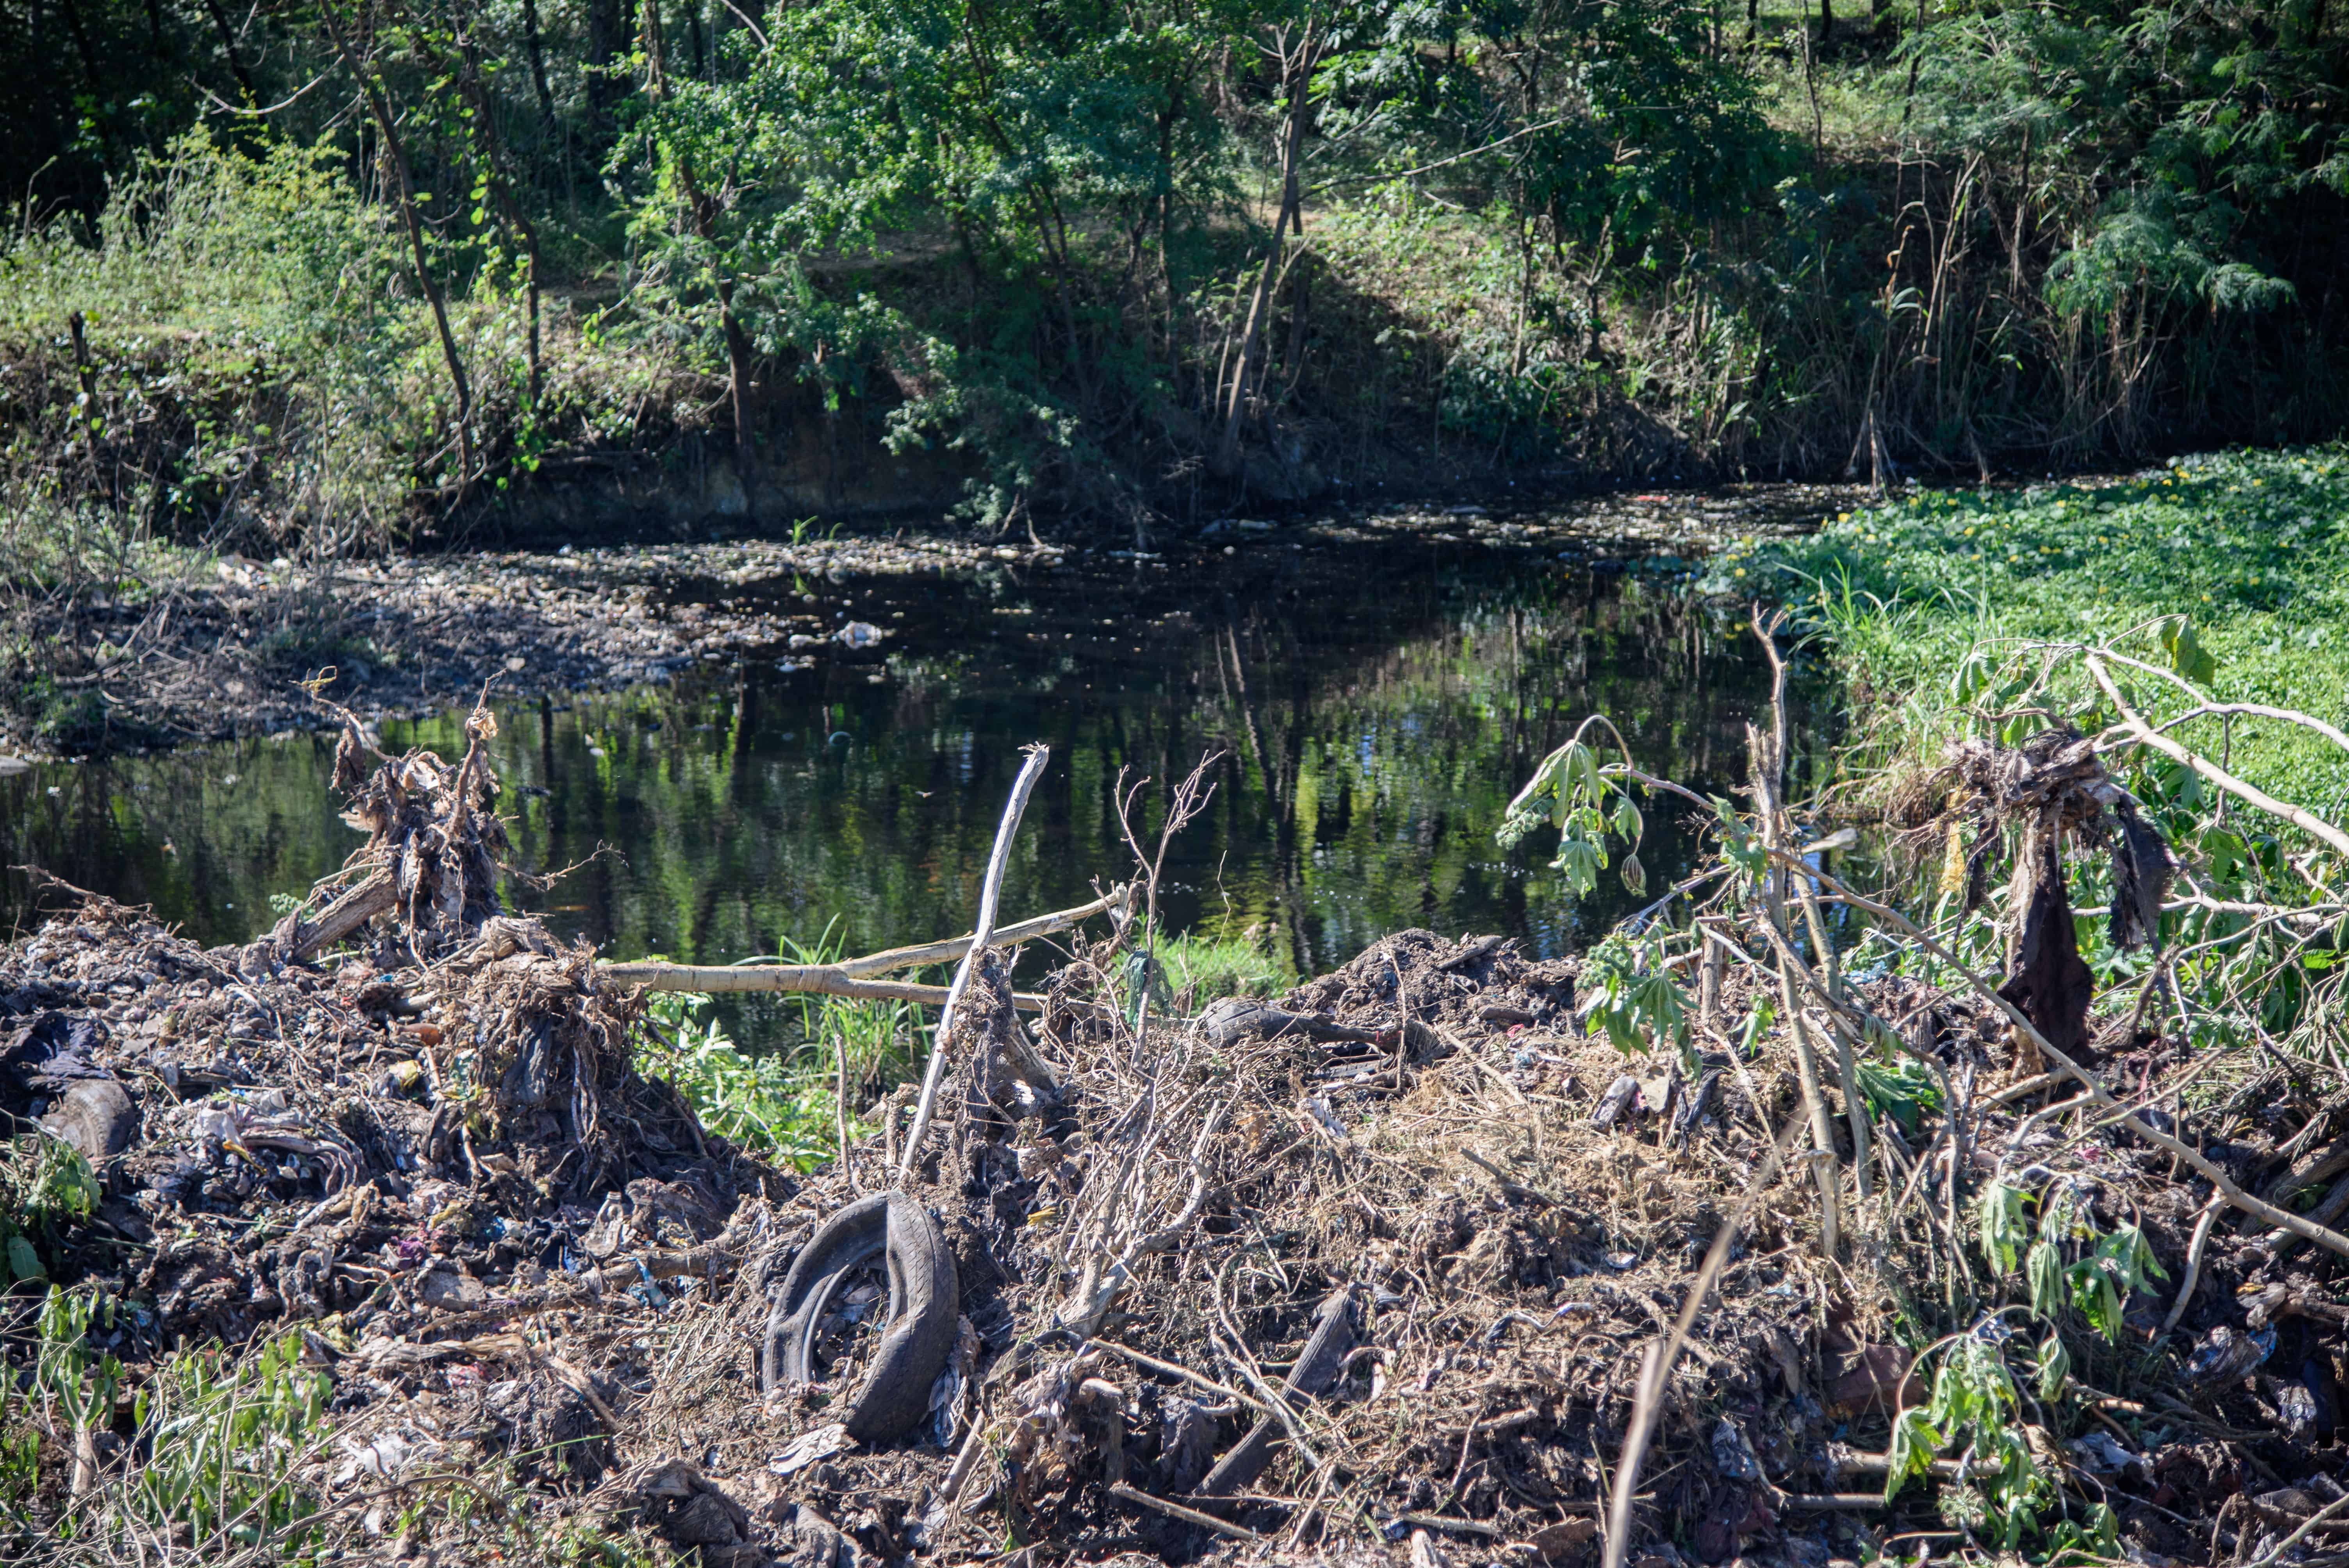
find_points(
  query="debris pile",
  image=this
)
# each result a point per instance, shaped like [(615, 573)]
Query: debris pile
[(1375, 1268)]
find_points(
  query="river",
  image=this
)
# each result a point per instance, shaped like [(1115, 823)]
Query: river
[(1375, 701)]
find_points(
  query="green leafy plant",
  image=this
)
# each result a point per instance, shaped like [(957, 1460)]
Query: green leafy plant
[(1976, 1408), (1212, 966), (44, 1183), (760, 1103), (2065, 1260), (1899, 1088), (1630, 994), (1587, 808), (68, 1393), (229, 1445)]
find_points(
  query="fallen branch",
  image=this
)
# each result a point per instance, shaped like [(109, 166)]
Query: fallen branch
[(989, 890), (822, 979), (2193, 1267), (1116, 900), (829, 979), (1125, 1493), (358, 906), (2306, 821)]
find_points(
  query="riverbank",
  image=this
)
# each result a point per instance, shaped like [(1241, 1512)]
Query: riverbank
[(211, 647), (1942, 610)]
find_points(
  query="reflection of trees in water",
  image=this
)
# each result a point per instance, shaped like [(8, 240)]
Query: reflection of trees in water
[(1375, 717), (1385, 774)]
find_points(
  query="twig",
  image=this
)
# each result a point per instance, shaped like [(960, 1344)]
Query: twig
[(1453, 1526), (1278, 1406), (1177, 1510), (1112, 901), (2275, 1552), (2307, 823), (840, 1108), (1029, 772), (950, 1491), (819, 979), (1197, 1380), (2193, 1265), (2022, 1091)]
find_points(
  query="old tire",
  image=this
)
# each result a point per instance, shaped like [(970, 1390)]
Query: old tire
[(925, 1308)]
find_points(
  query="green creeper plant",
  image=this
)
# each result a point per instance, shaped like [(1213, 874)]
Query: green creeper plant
[(1587, 808)]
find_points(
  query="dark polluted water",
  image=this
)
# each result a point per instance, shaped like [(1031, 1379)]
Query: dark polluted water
[(1375, 707)]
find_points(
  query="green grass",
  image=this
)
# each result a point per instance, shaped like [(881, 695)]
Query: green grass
[(783, 1105), (2251, 546), (1214, 966)]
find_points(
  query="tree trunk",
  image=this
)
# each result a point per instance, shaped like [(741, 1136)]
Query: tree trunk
[(397, 157), (701, 210), (606, 28), (1297, 76), (534, 41), (228, 47)]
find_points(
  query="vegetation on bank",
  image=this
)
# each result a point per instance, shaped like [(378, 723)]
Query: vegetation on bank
[(2229, 570), (2096, 732), (786, 1106), (318, 281)]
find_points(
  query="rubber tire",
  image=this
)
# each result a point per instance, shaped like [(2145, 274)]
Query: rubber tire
[(925, 1311)]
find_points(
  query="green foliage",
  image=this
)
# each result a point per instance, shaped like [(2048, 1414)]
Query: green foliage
[(2180, 114), (779, 1104), (771, 1105), (1970, 613), (1586, 807), (1627, 992), (66, 1391), (2230, 570), (1975, 1405), (1899, 1088), (2067, 1262), (229, 1444), (46, 1184)]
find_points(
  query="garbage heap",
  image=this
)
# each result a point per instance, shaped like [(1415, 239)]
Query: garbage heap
[(1371, 1268)]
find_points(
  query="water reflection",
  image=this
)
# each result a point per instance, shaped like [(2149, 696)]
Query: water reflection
[(1376, 708)]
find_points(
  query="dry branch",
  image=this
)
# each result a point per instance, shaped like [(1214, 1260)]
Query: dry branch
[(989, 890), (658, 975), (2306, 821)]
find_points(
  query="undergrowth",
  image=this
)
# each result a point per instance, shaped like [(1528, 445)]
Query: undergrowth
[(785, 1105)]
